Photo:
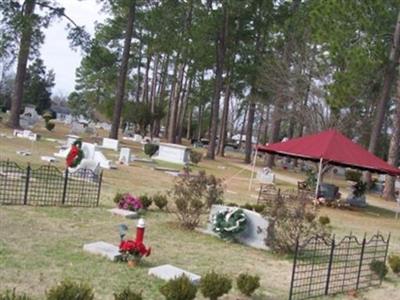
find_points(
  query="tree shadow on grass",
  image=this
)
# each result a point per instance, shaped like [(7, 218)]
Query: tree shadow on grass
[(379, 212)]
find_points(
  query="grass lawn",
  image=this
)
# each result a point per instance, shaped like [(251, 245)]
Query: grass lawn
[(39, 246)]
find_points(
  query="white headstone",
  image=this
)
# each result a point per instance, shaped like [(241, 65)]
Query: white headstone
[(125, 156), (104, 249), (173, 153), (123, 212), (111, 144), (266, 176), (25, 134), (256, 228), (48, 158), (168, 272)]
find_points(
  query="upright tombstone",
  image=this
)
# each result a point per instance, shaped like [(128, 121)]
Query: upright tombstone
[(173, 153), (111, 144), (266, 176), (256, 227), (125, 156)]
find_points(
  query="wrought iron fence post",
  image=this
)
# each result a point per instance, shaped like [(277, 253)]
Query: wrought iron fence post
[(99, 188), (386, 252), (28, 175), (328, 277), (294, 268), (361, 261), (65, 186)]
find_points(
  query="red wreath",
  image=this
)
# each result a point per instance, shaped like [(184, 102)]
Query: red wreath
[(75, 155)]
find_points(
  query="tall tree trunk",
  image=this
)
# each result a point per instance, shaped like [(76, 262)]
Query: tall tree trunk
[(171, 95), (161, 93), (154, 82), (145, 91), (174, 105), (183, 110), (275, 129), (393, 156), (220, 46), (189, 123), (265, 126), (246, 111), (139, 81), (23, 55), (200, 122), (249, 130), (384, 98), (224, 120), (120, 92)]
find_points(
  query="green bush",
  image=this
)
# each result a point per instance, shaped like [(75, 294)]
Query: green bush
[(195, 156), (160, 201), (150, 149), (394, 263), (194, 195), (213, 285), (50, 126), (247, 206), (68, 290), (118, 197), (180, 288), (352, 175), (247, 284), (11, 295), (146, 201), (324, 220), (259, 207), (128, 294), (379, 268)]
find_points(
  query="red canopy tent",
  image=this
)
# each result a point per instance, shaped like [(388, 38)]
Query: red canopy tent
[(333, 148)]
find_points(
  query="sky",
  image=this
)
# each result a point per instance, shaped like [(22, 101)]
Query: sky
[(55, 51)]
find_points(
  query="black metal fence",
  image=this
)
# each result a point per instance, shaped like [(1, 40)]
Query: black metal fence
[(323, 267), (48, 186)]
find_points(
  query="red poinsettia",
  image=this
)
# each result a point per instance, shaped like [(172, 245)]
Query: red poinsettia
[(133, 248)]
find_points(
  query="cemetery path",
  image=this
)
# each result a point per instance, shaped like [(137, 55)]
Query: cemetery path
[(372, 199)]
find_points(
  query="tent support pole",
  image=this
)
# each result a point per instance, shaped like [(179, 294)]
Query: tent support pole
[(319, 177), (253, 168)]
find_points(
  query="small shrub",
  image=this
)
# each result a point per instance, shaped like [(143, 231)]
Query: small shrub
[(160, 201), (232, 204), (213, 285), (193, 195), (247, 206), (50, 126), (146, 201), (195, 157), (118, 197), (180, 288), (11, 295), (259, 207), (247, 284), (68, 290), (150, 149), (379, 268), (394, 263), (128, 294), (352, 175), (324, 220)]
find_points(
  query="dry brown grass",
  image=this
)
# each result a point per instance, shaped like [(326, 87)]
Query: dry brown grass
[(40, 246)]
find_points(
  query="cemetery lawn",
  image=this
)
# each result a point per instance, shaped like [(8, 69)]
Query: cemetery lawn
[(39, 246)]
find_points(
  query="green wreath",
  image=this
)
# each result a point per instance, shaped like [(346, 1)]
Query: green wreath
[(229, 222), (75, 155)]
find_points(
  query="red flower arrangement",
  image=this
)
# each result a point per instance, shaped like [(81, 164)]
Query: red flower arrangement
[(133, 250)]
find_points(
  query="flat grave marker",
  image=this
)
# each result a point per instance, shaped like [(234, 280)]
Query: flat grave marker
[(168, 272)]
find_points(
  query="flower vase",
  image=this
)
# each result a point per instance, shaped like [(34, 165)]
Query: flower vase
[(132, 263)]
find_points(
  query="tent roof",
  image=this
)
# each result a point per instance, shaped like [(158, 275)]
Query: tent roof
[(334, 148)]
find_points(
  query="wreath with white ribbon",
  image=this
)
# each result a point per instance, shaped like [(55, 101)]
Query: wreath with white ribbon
[(229, 222)]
